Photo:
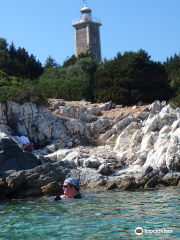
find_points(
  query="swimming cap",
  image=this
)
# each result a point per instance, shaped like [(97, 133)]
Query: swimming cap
[(72, 181)]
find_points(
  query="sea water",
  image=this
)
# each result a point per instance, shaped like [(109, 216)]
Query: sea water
[(99, 215)]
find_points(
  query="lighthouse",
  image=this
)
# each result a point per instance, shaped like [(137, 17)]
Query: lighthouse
[(87, 33)]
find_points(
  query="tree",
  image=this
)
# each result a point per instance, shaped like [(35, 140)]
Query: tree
[(18, 63), (69, 61), (50, 63), (33, 68), (3, 44), (172, 66), (133, 77), (12, 50)]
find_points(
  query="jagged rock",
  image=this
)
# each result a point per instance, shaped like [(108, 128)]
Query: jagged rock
[(141, 159), (155, 107), (127, 183), (135, 150), (171, 178), (148, 141), (83, 114), (142, 115), (91, 163), (77, 127), (106, 168), (58, 155), (91, 179), (99, 126), (95, 111), (154, 181), (107, 106), (111, 185), (119, 126), (48, 173), (142, 178), (15, 180), (55, 104), (12, 156), (173, 157), (53, 188), (84, 102), (38, 124), (163, 103), (124, 138), (112, 182)]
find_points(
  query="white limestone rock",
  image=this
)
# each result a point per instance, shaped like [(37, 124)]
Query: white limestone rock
[(148, 141), (155, 107), (94, 110), (153, 123), (81, 113), (77, 127), (124, 138), (106, 106), (99, 126), (120, 125)]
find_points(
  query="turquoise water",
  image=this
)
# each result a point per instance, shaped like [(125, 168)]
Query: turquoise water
[(100, 215)]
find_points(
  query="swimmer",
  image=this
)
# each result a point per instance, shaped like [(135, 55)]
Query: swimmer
[(71, 189)]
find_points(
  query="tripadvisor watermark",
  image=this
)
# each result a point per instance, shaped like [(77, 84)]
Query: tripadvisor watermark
[(140, 231)]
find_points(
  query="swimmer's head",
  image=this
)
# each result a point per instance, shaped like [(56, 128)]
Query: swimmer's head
[(73, 182)]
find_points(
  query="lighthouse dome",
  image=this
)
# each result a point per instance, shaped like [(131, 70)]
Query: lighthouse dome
[(85, 9)]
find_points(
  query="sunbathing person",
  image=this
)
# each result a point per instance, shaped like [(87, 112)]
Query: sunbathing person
[(24, 143)]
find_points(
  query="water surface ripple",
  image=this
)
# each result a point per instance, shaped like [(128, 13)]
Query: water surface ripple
[(100, 215)]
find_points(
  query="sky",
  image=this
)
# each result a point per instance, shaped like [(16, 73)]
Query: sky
[(43, 27)]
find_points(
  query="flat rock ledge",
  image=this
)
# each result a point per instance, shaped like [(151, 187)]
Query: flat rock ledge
[(134, 151)]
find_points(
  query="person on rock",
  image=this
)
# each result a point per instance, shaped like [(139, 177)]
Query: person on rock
[(71, 189), (24, 143)]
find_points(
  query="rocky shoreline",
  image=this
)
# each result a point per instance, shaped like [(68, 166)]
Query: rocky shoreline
[(138, 150)]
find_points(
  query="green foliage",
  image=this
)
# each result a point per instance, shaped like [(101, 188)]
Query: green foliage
[(18, 90), (4, 76), (69, 61), (129, 78), (73, 59), (87, 54), (77, 80), (172, 66), (18, 63), (29, 92), (75, 88), (3, 44), (50, 63), (172, 105), (22, 94)]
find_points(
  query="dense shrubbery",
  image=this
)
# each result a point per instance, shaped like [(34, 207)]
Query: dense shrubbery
[(131, 77), (74, 82), (125, 79), (75, 88), (18, 90)]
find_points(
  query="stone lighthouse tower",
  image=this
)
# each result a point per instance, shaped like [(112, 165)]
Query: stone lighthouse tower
[(87, 33)]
